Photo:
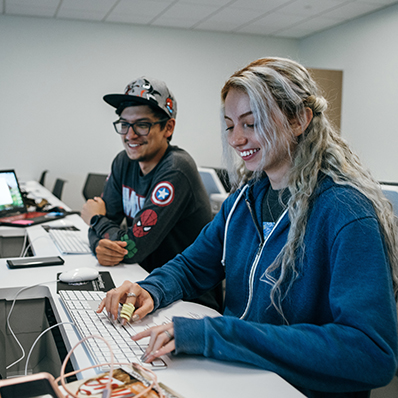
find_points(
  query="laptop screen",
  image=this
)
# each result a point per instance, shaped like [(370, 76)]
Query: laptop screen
[(11, 200)]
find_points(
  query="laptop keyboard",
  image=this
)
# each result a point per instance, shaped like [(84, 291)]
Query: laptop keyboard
[(68, 240), (23, 216), (81, 306)]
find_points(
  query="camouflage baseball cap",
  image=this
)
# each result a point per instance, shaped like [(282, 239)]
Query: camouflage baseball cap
[(146, 91)]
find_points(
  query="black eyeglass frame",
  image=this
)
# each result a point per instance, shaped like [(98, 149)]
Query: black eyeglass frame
[(149, 124)]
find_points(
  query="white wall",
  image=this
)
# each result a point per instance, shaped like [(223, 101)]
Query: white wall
[(53, 76), (366, 50)]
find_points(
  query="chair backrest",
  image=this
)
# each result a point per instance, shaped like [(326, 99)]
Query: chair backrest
[(58, 188), (43, 177), (94, 185)]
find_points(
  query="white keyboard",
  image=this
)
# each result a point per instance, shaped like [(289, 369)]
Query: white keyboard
[(68, 240), (81, 307)]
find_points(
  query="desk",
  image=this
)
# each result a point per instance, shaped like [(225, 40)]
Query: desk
[(192, 377)]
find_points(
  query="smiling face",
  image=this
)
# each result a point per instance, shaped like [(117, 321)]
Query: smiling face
[(240, 126), (240, 122), (147, 150)]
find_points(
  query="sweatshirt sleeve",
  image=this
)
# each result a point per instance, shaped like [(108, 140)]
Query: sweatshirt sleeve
[(196, 270), (355, 351), (109, 225)]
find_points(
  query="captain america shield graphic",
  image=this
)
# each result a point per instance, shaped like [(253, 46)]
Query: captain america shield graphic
[(163, 194)]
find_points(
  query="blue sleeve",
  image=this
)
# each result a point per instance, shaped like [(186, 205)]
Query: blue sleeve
[(196, 270), (355, 351)]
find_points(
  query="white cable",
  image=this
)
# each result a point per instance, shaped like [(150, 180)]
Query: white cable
[(15, 337), (23, 254), (26, 250), (37, 339), (8, 320), (24, 243), (108, 390)]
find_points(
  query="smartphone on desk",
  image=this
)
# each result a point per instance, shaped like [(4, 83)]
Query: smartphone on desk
[(28, 262), (33, 386)]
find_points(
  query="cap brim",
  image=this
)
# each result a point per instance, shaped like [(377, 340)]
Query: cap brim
[(116, 99)]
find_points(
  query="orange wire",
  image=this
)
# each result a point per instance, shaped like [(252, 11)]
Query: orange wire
[(154, 380)]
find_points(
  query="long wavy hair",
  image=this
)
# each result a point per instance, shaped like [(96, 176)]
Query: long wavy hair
[(279, 91)]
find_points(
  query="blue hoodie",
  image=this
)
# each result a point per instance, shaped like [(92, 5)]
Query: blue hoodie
[(341, 336)]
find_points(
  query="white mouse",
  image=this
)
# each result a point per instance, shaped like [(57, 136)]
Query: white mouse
[(79, 275)]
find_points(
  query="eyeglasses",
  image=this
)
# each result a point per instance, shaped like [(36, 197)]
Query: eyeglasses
[(139, 128)]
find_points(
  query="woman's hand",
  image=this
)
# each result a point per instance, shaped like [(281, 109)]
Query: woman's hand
[(161, 341), (128, 292)]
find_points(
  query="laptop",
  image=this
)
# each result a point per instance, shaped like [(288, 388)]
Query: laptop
[(13, 211)]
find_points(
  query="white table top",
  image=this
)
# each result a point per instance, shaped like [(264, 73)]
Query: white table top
[(192, 377)]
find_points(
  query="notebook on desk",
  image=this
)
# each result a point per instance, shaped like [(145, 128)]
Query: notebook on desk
[(13, 211)]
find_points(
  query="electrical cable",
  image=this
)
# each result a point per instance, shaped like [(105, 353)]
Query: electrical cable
[(37, 339), (25, 238), (108, 385), (25, 249), (108, 390), (23, 254), (153, 384), (8, 321)]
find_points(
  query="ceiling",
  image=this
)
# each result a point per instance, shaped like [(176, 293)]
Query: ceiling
[(278, 18)]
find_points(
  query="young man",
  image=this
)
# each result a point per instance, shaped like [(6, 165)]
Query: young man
[(152, 184)]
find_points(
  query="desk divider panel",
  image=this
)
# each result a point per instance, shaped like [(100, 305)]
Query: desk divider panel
[(30, 317)]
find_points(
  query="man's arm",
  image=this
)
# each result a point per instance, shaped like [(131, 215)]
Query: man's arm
[(91, 208), (107, 251), (162, 209)]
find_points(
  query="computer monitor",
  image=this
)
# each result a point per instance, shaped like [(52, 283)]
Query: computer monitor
[(224, 178), (390, 190), (214, 187), (211, 181)]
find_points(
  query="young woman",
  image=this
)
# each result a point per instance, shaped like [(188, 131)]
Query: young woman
[(307, 245)]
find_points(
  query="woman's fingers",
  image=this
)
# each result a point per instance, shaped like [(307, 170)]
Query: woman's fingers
[(161, 341), (115, 296), (128, 293)]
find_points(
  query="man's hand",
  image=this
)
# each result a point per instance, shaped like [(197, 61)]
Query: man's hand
[(128, 292), (91, 208), (110, 252)]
